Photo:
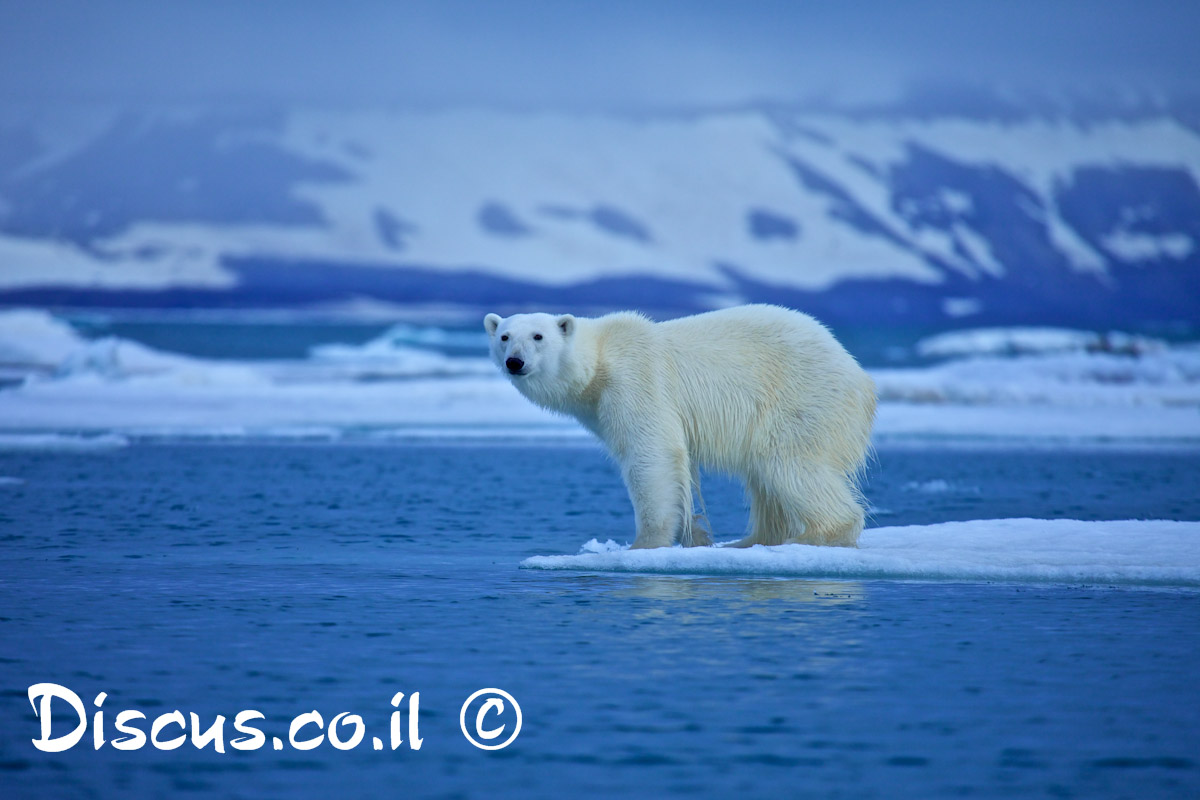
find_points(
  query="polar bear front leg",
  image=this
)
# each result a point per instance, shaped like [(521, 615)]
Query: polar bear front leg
[(657, 472), (647, 440), (659, 484)]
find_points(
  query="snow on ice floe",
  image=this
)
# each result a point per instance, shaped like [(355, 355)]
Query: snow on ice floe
[(1131, 552), (31, 339), (65, 382), (1057, 367), (406, 335), (403, 351), (1043, 384), (1036, 340), (61, 441), (423, 382), (36, 346)]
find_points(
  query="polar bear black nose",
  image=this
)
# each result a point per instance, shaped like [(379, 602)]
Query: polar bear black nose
[(514, 364)]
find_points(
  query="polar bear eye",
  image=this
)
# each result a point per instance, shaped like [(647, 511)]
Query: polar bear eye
[(504, 338), (537, 337)]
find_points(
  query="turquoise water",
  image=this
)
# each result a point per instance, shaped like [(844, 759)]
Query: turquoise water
[(286, 578)]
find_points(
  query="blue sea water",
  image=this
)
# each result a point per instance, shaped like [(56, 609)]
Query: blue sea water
[(292, 577)]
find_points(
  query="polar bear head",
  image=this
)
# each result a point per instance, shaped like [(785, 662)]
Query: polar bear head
[(529, 346)]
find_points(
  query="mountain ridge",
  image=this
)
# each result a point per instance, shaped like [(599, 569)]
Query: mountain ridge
[(938, 218)]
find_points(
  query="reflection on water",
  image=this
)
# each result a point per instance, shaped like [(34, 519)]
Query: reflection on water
[(741, 594)]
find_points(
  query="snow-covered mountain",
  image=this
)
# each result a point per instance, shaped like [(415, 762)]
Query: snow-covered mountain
[(885, 218)]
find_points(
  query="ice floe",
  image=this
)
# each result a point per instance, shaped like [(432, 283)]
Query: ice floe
[(413, 381), (1129, 552)]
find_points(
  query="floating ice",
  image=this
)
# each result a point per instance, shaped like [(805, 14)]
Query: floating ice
[(405, 335), (61, 441), (935, 486), (394, 354), (58, 381), (1170, 377), (112, 357), (1132, 552), (1026, 341), (37, 347), (34, 339)]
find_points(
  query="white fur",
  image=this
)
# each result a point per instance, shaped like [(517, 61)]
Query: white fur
[(761, 392)]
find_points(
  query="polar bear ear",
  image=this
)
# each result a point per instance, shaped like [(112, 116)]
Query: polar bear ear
[(566, 324), (490, 323)]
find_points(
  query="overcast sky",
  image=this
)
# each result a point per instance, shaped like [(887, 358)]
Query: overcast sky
[(605, 54)]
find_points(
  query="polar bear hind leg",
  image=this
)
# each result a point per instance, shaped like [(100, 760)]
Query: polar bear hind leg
[(803, 506), (831, 510)]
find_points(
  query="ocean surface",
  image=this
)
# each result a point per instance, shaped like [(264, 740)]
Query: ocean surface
[(217, 517), (292, 577)]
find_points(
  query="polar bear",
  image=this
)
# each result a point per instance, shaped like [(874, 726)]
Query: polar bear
[(761, 392)]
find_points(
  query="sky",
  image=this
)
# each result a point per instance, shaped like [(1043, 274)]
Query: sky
[(572, 54)]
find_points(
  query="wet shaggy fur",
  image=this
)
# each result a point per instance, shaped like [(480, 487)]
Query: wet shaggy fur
[(760, 392)]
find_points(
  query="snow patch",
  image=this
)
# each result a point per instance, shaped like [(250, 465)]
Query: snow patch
[(957, 307), (1134, 246), (665, 197)]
